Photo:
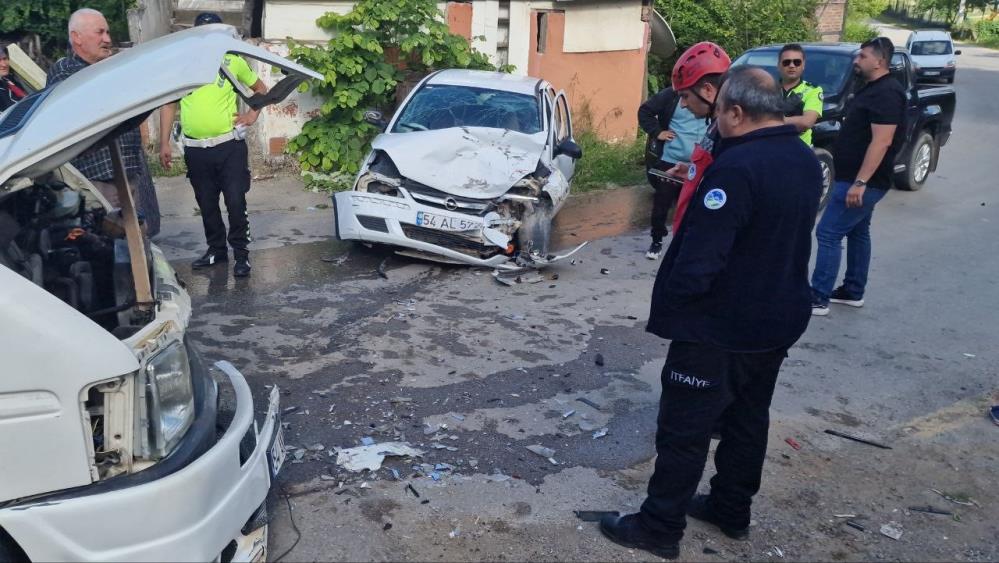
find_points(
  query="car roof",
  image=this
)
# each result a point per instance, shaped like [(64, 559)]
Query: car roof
[(485, 79), (931, 35)]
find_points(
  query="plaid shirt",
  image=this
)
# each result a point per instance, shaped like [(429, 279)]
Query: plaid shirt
[(96, 164)]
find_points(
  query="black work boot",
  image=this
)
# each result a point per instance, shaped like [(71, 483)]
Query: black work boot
[(629, 531), (701, 510), (210, 258), (242, 267)]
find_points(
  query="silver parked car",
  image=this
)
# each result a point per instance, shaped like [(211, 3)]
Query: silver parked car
[(471, 169)]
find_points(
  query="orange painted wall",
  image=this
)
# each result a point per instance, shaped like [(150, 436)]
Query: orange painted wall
[(604, 88), (459, 18)]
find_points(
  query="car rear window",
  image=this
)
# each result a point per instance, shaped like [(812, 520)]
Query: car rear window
[(931, 48), (440, 106)]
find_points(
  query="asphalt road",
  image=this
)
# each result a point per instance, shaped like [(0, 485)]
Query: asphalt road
[(473, 372)]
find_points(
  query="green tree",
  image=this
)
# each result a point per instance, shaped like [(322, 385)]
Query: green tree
[(48, 19), (361, 68)]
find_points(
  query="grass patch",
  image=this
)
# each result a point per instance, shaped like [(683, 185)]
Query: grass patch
[(604, 164), (156, 170)]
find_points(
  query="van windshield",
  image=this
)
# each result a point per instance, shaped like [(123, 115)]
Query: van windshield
[(931, 48)]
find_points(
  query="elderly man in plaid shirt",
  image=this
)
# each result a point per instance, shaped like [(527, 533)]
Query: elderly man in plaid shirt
[(90, 40)]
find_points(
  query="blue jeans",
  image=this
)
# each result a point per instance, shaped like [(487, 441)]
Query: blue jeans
[(840, 221)]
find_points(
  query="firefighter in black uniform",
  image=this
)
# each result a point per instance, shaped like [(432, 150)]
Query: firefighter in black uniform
[(732, 295)]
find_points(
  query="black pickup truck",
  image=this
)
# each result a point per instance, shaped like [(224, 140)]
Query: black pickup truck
[(830, 65)]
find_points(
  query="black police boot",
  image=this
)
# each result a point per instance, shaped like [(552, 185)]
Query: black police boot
[(701, 510), (628, 531), (210, 258), (242, 267)]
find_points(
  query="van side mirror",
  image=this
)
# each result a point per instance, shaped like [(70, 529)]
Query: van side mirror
[(376, 118), (570, 149), (958, 52)]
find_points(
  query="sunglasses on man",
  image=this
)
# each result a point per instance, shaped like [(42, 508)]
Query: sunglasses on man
[(790, 62)]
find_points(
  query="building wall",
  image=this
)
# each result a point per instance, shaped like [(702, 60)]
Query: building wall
[(831, 15), (604, 87)]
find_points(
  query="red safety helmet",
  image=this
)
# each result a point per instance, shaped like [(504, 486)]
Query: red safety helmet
[(698, 61)]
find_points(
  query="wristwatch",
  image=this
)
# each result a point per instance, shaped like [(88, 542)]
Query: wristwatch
[(860, 183)]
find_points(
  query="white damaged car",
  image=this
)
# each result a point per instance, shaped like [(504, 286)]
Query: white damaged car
[(471, 169), (112, 446)]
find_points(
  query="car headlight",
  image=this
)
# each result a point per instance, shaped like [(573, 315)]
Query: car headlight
[(170, 398)]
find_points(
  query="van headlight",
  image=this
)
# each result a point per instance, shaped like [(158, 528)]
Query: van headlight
[(170, 398)]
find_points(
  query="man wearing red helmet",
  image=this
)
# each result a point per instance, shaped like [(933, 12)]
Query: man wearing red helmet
[(697, 77)]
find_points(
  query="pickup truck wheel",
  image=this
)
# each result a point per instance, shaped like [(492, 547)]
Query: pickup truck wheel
[(828, 174), (917, 169)]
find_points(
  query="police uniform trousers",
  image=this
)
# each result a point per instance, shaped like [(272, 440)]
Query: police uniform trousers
[(221, 170), (703, 388)]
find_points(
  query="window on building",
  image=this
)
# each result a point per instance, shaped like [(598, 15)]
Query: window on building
[(542, 31)]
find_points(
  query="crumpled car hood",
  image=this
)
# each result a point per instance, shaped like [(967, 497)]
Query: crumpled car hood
[(472, 162)]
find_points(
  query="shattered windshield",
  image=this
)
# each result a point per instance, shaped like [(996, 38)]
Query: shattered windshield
[(442, 106), (931, 48)]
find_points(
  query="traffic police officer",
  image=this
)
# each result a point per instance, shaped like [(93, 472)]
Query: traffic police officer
[(732, 295), (804, 99), (216, 156)]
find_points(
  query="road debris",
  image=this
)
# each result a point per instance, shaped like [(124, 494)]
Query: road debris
[(793, 443), (892, 529), (541, 450), (589, 403), (381, 269), (994, 414), (371, 457), (600, 433), (410, 488), (458, 417), (709, 551), (455, 533), (779, 552), (367, 441), (604, 271), (595, 515), (858, 439), (518, 276), (568, 413), (387, 527), (930, 510), (587, 425), (599, 360), (338, 261), (844, 515), (967, 355), (964, 501), (855, 525), (498, 477)]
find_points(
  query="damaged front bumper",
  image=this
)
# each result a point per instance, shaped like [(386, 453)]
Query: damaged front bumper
[(192, 514), (398, 221)]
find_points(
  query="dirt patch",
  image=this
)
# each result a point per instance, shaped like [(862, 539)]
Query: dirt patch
[(378, 510)]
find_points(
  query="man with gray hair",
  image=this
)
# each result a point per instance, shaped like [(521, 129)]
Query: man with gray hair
[(90, 43), (732, 296)]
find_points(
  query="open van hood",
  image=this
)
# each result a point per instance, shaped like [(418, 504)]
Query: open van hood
[(47, 129)]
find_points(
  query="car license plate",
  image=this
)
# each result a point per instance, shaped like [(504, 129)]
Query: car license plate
[(932, 73), (446, 223), (276, 453)]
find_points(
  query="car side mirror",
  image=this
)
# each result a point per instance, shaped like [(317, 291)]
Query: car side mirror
[(958, 52), (376, 118), (570, 149)]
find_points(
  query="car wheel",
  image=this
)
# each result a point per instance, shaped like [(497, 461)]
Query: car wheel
[(828, 174), (535, 232), (917, 170)]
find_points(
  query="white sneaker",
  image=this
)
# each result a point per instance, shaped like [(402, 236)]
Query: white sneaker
[(655, 250), (819, 310)]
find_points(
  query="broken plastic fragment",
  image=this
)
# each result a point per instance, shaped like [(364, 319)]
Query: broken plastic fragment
[(371, 457), (366, 441), (892, 529), (600, 433), (542, 451), (567, 414)]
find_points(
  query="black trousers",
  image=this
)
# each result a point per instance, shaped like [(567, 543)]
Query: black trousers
[(222, 169), (705, 386), (665, 196)]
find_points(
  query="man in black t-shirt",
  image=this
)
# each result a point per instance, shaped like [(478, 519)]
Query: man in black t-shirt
[(864, 155)]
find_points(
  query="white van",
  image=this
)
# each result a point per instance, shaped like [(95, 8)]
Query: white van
[(110, 446), (933, 54)]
